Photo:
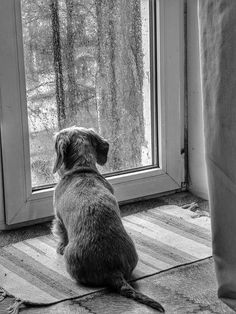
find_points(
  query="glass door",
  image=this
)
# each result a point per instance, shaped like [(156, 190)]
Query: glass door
[(114, 66), (87, 63)]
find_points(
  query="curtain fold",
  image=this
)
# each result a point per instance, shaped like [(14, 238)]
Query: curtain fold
[(217, 31)]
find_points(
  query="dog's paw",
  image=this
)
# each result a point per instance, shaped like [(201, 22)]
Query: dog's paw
[(61, 248)]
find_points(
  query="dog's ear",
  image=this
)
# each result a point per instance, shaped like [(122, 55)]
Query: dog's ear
[(101, 147), (61, 143)]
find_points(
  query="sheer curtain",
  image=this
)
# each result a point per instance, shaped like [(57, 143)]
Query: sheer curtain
[(217, 23)]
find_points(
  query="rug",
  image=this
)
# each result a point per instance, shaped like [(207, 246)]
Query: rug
[(165, 237), (189, 289)]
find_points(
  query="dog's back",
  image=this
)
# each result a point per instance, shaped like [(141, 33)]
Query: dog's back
[(98, 242)]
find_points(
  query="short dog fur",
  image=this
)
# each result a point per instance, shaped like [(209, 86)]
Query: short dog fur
[(97, 249)]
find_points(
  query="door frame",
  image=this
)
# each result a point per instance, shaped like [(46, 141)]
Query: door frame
[(21, 205)]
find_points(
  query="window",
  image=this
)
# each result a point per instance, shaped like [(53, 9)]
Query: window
[(87, 63), (115, 66)]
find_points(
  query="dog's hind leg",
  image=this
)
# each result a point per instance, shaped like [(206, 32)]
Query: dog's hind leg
[(60, 232)]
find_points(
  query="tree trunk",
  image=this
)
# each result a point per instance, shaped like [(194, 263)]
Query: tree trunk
[(120, 80), (70, 59), (56, 40)]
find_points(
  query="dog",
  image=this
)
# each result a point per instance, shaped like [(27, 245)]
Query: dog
[(97, 249)]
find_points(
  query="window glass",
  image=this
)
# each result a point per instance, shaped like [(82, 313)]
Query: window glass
[(87, 63)]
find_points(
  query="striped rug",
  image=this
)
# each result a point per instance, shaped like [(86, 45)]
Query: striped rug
[(165, 237)]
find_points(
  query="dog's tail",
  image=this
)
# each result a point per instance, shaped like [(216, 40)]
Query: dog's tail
[(121, 286)]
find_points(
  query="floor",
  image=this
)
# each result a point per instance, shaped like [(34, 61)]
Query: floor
[(179, 199), (195, 294)]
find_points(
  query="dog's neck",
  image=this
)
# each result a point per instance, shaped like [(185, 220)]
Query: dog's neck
[(66, 167), (84, 169), (85, 166), (80, 169)]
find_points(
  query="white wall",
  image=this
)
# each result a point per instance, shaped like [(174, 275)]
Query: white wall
[(197, 167), (2, 218)]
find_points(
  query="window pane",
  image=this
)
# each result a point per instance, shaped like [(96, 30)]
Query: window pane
[(87, 63)]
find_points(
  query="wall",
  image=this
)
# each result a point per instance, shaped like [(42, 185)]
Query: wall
[(2, 216), (197, 167)]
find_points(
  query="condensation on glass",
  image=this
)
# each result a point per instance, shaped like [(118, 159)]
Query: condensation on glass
[(87, 63)]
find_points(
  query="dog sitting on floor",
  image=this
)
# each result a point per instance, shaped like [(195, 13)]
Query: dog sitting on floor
[(97, 249)]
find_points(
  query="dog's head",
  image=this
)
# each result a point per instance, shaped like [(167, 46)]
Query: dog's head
[(79, 146)]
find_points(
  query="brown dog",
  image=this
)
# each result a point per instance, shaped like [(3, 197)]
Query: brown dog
[(97, 249)]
